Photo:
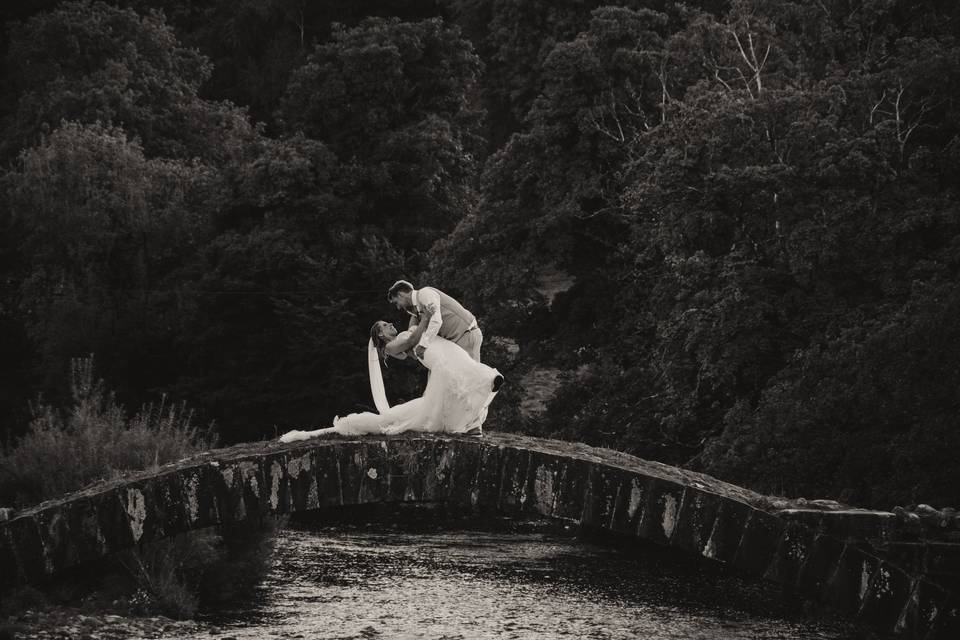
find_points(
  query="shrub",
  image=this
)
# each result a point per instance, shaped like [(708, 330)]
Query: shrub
[(94, 440)]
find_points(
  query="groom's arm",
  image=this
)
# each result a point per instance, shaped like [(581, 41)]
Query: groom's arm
[(430, 302)]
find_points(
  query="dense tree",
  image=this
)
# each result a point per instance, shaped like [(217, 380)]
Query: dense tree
[(731, 226), (392, 100)]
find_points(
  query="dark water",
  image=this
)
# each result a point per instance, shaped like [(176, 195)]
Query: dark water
[(369, 582)]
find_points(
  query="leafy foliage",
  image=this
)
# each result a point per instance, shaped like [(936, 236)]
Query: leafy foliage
[(731, 225)]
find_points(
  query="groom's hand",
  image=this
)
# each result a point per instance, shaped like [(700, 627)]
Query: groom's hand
[(419, 350)]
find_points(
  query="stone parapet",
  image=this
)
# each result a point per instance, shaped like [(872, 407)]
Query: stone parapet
[(820, 556)]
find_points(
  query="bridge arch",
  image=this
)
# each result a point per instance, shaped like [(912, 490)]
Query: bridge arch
[(502, 473)]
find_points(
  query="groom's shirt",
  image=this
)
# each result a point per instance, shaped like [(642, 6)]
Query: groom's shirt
[(427, 302), (449, 316)]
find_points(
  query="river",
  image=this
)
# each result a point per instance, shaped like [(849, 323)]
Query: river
[(423, 581)]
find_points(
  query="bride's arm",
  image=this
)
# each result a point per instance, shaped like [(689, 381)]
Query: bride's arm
[(402, 343)]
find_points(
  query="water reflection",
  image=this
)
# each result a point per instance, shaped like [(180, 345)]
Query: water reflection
[(360, 583)]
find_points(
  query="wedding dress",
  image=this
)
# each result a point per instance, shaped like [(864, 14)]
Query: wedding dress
[(459, 391)]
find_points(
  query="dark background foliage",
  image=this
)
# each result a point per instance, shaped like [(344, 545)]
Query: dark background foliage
[(718, 234)]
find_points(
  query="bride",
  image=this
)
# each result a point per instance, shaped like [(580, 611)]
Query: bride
[(459, 390)]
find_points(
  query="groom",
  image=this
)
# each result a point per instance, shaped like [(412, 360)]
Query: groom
[(447, 318)]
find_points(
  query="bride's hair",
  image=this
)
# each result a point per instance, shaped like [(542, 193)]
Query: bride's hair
[(379, 341)]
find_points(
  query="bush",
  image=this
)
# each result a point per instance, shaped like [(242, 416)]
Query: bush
[(94, 440)]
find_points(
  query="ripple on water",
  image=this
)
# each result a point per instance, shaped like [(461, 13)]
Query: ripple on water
[(340, 585)]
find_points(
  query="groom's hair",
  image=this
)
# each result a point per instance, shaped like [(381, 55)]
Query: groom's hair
[(400, 286)]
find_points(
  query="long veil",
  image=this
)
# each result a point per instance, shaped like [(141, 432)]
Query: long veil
[(376, 378)]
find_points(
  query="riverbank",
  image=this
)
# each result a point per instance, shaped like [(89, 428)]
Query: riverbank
[(59, 623)]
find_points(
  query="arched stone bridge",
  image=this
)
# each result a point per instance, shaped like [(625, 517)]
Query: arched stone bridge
[(509, 474)]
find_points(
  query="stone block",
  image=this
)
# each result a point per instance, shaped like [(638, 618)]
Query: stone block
[(326, 473), (233, 507), (542, 484), (438, 474), (276, 481), (605, 485), (301, 481), (946, 626), (352, 468), (728, 528), (660, 511), (630, 502), (698, 511), (919, 615), (9, 573), (375, 479), (85, 535), (790, 555), (169, 510), (464, 474), (942, 558), (23, 537), (514, 463), (820, 566), (143, 516), (113, 523), (761, 537), (889, 591), (571, 489), (486, 494), (52, 525), (407, 461), (254, 487), (851, 579)]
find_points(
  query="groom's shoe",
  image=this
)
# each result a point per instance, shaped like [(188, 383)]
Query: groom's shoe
[(497, 383)]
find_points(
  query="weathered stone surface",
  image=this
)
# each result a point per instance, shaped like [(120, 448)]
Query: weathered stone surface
[(406, 462), (888, 594), (919, 615), (845, 523), (851, 579), (327, 474), (486, 493), (438, 476), (23, 535), (947, 624), (571, 489), (728, 528), (820, 565), (9, 573), (761, 537), (465, 472), (301, 482), (661, 509), (630, 502), (375, 479), (790, 555), (540, 490), (698, 510), (604, 485), (55, 538), (112, 520), (352, 466), (276, 486), (513, 475)]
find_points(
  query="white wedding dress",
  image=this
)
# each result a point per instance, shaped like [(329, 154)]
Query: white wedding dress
[(458, 392)]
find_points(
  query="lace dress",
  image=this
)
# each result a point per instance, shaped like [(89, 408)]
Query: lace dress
[(458, 392)]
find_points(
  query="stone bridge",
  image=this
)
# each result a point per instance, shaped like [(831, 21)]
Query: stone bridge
[(825, 558)]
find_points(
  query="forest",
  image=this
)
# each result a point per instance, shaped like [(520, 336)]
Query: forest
[(723, 235)]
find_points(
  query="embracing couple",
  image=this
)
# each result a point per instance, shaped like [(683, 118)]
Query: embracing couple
[(445, 338)]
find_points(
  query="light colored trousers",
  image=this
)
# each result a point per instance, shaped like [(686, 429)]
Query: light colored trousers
[(470, 342)]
